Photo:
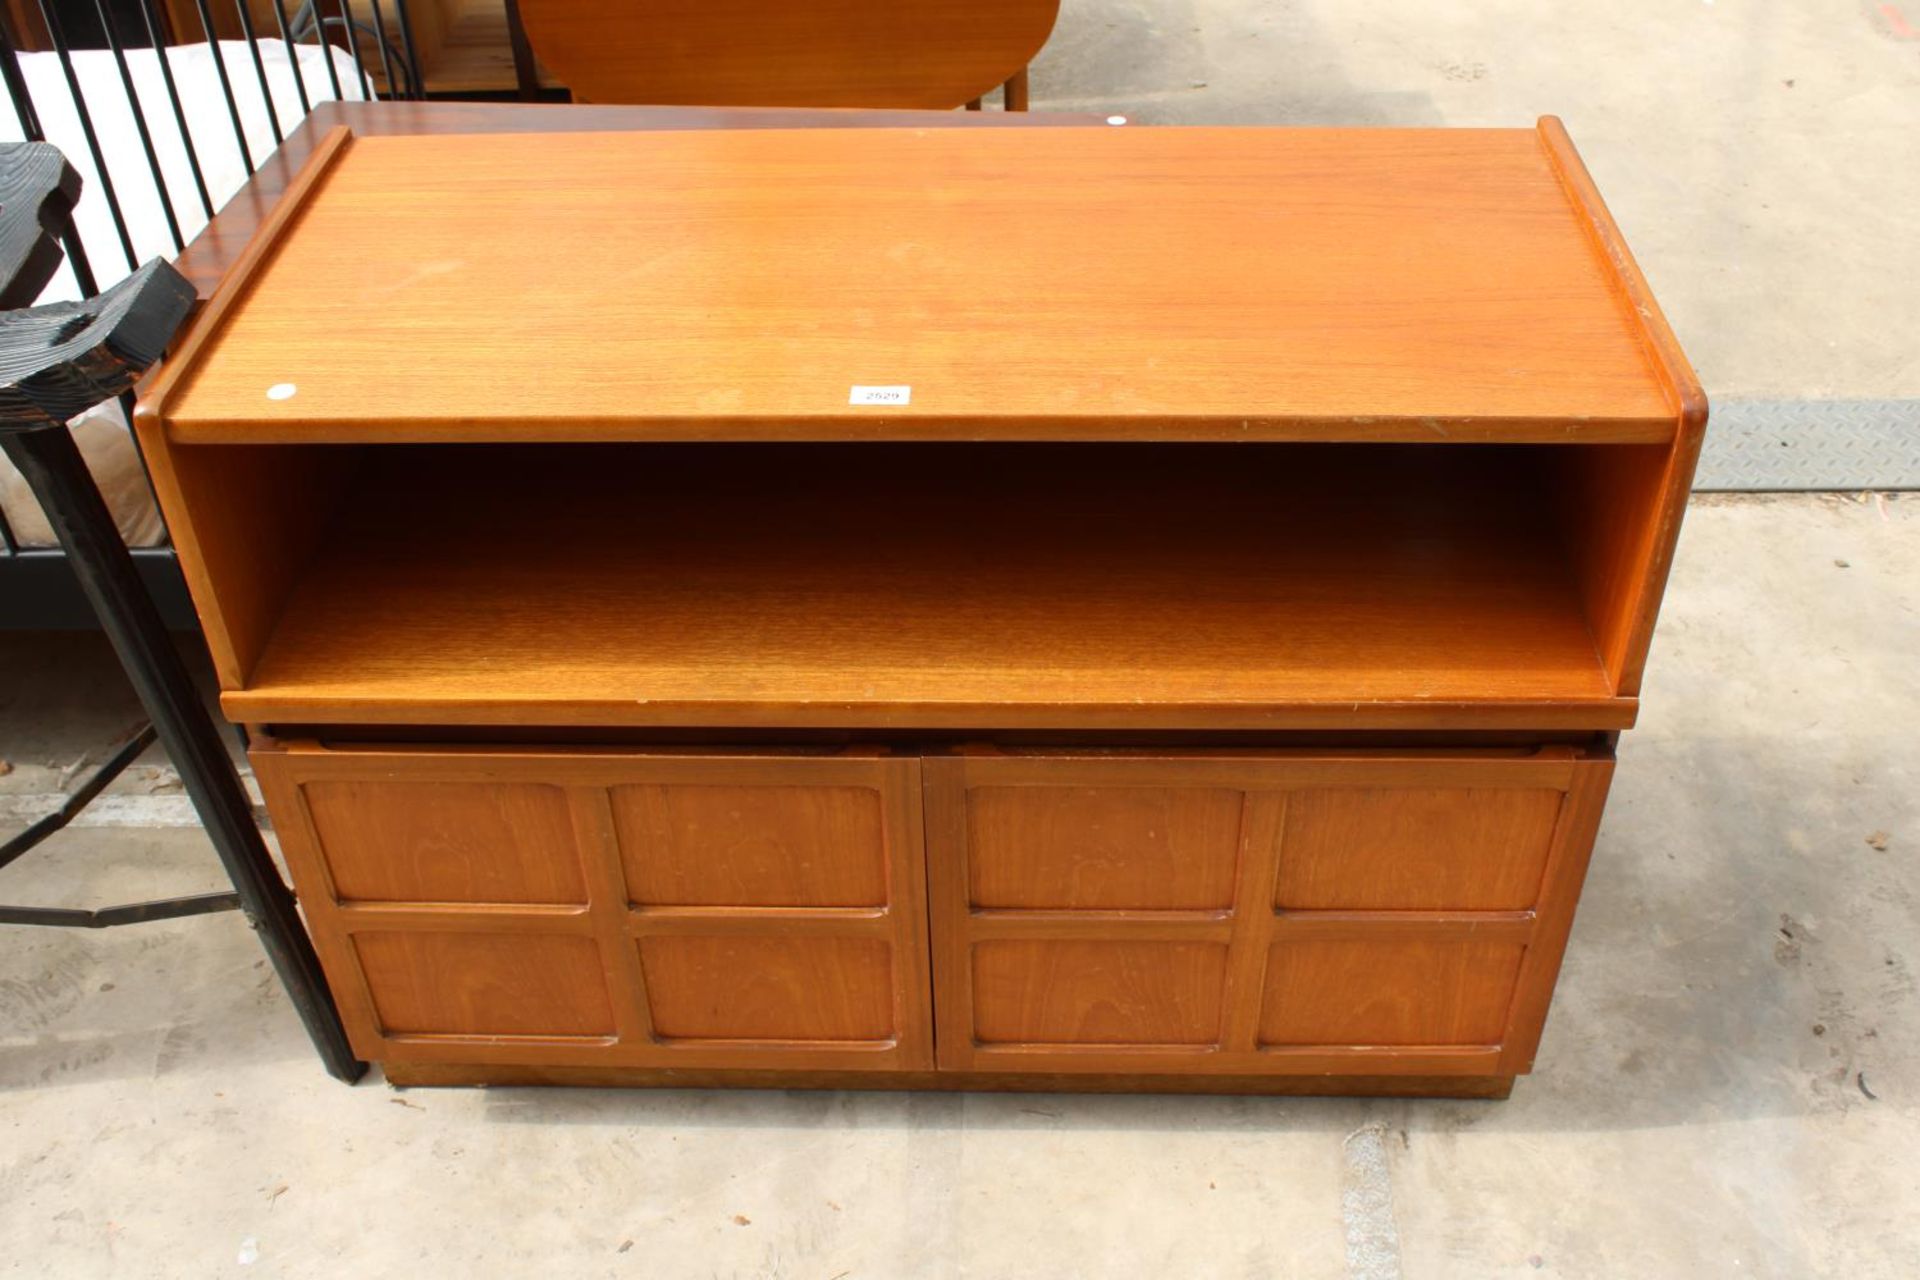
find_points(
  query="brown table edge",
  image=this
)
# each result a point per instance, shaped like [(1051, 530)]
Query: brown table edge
[(254, 706)]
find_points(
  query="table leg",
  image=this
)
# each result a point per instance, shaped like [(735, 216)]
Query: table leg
[(1016, 91)]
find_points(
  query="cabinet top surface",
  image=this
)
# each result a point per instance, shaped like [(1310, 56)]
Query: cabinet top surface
[(1069, 283)]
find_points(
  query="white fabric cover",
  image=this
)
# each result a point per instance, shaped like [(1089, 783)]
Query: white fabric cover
[(107, 445)]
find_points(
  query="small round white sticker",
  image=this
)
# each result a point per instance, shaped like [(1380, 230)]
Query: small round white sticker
[(281, 391), (1116, 119)]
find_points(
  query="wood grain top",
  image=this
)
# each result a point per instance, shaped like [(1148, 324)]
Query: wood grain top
[(219, 244), (1026, 284)]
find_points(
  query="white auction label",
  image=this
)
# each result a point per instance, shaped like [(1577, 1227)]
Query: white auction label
[(881, 395)]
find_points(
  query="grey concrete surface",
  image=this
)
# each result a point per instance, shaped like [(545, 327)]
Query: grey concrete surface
[(1729, 1084)]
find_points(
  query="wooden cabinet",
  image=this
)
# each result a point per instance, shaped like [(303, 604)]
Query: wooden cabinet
[(733, 608), (1232, 913)]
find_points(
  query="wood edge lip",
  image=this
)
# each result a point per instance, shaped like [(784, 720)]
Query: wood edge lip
[(309, 750), (1092, 428), (1676, 372), (174, 375), (316, 758), (1592, 713)]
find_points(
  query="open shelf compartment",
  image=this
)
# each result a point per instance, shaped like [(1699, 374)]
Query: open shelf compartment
[(923, 586)]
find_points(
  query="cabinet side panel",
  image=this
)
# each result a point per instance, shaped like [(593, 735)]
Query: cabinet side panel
[(246, 522), (1613, 518), (1573, 838), (279, 777), (1625, 627)]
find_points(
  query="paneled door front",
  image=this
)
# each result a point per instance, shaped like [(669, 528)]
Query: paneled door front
[(603, 907), (1238, 913)]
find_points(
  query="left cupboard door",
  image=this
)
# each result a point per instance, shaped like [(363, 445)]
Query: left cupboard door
[(551, 907)]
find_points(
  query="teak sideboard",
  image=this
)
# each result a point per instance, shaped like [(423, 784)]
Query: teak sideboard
[(1046, 608)]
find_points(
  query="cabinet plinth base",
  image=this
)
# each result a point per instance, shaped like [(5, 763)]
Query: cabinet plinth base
[(411, 1075)]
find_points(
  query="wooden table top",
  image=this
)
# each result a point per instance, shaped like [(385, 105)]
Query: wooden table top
[(1021, 284), (220, 244)]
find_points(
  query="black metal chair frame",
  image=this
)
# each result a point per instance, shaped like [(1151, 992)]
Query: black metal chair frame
[(56, 361)]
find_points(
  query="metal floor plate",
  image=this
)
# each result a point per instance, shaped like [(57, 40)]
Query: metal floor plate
[(1762, 445)]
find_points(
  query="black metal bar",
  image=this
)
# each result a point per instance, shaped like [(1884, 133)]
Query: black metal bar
[(526, 72), (29, 118), (199, 904), (16, 83), (406, 47), (173, 97), (386, 58), (8, 546), (293, 57), (53, 468), (259, 70), (326, 45), (86, 127), (353, 49), (140, 122), (226, 84), (83, 795)]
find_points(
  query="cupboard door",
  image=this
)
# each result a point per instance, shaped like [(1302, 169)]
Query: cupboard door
[(620, 908), (1369, 913)]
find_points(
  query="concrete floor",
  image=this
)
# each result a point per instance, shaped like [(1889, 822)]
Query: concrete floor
[(1730, 1080)]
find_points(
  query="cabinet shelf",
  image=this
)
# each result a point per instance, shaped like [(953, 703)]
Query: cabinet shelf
[(937, 586)]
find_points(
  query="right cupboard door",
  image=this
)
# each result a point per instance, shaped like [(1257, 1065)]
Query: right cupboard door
[(1365, 913)]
